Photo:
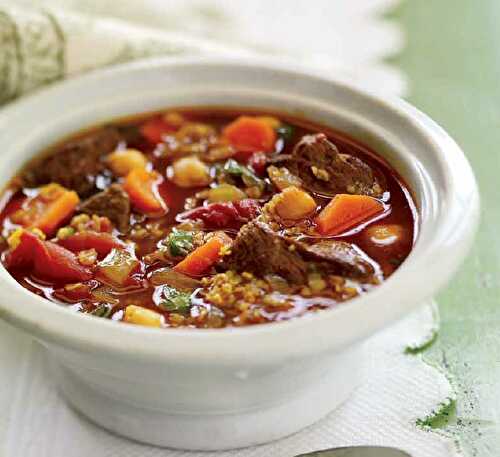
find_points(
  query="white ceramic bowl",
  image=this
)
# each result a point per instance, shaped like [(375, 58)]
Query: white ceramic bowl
[(219, 389)]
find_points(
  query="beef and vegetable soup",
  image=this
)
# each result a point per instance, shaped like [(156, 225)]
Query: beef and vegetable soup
[(205, 218)]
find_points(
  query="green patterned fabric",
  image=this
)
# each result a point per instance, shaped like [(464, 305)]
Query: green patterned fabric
[(40, 46), (31, 53)]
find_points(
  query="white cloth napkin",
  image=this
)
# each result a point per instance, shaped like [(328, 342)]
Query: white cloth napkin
[(345, 39), (399, 389)]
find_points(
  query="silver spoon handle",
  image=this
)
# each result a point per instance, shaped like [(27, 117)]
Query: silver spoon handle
[(358, 451)]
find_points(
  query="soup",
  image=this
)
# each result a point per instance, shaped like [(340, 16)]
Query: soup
[(205, 218)]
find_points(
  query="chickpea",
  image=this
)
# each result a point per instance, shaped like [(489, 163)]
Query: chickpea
[(190, 172), (121, 162)]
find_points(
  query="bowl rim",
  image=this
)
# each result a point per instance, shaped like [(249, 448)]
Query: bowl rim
[(272, 341)]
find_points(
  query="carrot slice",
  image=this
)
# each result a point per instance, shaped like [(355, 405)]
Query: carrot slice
[(48, 209), (57, 211), (140, 185), (203, 257), (250, 134), (345, 211)]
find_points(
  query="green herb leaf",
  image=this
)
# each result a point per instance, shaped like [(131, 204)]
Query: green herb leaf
[(233, 168), (395, 262), (179, 242), (175, 301), (103, 310), (248, 177), (285, 132)]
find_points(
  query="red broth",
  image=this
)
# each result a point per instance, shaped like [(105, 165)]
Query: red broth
[(160, 287)]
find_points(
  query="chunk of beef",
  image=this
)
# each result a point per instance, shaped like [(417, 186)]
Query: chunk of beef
[(325, 170), (348, 259), (113, 203), (131, 134), (258, 249), (77, 165)]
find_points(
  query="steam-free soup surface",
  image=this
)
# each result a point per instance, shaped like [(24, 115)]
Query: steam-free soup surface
[(205, 218)]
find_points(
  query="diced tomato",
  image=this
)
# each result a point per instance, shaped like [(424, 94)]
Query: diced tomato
[(74, 292), (258, 162), (21, 256), (141, 186), (55, 262), (101, 242), (154, 130), (47, 260), (243, 156), (248, 209), (224, 215), (105, 224)]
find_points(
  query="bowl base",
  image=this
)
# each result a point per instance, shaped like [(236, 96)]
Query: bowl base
[(209, 432)]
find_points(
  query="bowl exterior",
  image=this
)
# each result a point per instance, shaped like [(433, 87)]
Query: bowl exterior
[(238, 386), (222, 406)]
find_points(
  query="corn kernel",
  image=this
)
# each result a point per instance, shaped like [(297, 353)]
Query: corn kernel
[(14, 239), (38, 233), (142, 316)]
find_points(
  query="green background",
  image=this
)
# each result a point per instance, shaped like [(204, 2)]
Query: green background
[(452, 60)]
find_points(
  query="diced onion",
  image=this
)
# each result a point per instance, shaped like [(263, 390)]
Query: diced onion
[(167, 276)]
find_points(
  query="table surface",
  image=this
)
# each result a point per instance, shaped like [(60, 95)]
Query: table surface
[(453, 63)]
